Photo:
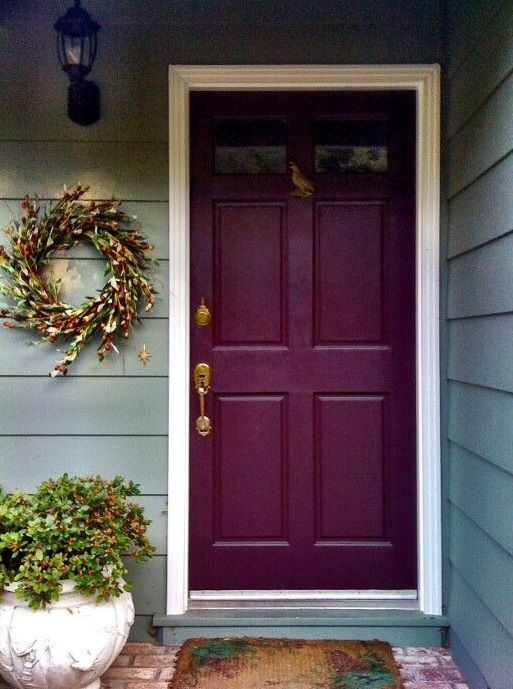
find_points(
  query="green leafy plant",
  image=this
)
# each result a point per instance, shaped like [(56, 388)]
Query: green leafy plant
[(71, 528)]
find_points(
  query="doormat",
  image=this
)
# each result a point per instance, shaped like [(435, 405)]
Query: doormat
[(246, 663)]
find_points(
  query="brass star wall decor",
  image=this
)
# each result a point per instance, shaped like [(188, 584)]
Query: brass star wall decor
[(144, 355)]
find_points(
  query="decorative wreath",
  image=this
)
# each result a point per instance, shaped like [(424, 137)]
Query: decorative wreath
[(33, 298)]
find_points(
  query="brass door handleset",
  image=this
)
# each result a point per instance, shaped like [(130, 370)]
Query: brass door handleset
[(203, 383), (202, 375)]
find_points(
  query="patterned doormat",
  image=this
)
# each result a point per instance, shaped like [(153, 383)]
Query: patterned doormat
[(245, 663)]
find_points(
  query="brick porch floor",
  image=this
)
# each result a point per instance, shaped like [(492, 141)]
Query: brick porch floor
[(148, 666)]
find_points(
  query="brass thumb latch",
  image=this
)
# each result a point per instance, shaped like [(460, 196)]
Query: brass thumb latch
[(202, 383)]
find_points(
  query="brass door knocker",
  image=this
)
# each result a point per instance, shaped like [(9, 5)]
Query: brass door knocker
[(203, 315), (303, 187)]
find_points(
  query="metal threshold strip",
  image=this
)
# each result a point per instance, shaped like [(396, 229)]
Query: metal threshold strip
[(295, 599)]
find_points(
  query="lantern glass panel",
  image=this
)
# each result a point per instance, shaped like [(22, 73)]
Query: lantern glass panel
[(77, 54), (73, 51)]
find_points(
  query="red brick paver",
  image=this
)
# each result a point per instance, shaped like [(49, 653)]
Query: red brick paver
[(428, 668), (150, 666), (156, 663)]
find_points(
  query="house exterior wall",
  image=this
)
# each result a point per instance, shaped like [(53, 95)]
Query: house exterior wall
[(111, 418), (479, 146)]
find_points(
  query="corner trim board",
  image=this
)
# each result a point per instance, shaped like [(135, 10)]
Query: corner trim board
[(425, 81)]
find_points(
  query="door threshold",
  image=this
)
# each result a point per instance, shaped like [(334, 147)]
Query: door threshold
[(304, 600), (398, 627)]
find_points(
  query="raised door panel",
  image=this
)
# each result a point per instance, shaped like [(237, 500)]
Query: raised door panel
[(250, 469), (350, 467), (349, 245), (250, 267)]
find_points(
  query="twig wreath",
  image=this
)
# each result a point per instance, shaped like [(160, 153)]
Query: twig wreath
[(34, 299)]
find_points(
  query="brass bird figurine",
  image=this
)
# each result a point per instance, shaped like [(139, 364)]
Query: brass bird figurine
[(303, 186)]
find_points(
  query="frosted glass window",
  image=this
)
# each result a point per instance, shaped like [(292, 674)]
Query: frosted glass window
[(351, 146), (250, 147)]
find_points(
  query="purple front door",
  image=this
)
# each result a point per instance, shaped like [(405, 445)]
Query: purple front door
[(307, 478)]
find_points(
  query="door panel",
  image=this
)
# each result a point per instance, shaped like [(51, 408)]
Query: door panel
[(348, 304), (250, 265), (307, 480), (350, 461), (250, 469)]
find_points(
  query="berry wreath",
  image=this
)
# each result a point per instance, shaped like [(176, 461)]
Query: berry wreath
[(33, 299)]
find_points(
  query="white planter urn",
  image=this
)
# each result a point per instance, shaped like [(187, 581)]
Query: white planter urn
[(69, 645)]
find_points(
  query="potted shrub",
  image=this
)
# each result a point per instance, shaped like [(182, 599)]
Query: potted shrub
[(65, 609)]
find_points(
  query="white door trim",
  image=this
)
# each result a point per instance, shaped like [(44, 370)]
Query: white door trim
[(425, 81)]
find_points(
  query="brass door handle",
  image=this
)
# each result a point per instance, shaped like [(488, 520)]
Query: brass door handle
[(202, 383)]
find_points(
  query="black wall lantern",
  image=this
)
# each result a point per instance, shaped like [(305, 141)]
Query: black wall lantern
[(76, 47)]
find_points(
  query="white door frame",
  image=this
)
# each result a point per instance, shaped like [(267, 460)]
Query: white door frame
[(425, 81)]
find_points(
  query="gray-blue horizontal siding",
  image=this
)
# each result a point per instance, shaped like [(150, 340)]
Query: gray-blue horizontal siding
[(107, 417), (480, 337), (467, 20)]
